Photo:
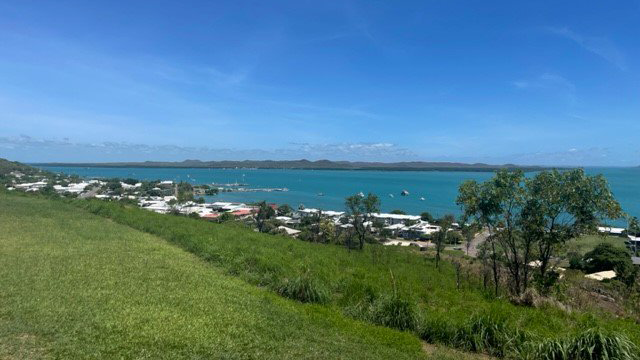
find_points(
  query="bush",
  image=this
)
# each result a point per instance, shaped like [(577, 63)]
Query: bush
[(304, 288)]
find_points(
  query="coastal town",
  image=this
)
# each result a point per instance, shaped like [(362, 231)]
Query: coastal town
[(181, 198)]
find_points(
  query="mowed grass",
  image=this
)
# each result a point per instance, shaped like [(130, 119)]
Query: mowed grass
[(357, 278), (74, 285)]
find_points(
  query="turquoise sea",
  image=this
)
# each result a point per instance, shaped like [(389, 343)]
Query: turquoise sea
[(438, 188)]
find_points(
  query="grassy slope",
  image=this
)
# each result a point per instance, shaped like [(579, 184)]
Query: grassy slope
[(79, 286), (351, 277), (587, 243)]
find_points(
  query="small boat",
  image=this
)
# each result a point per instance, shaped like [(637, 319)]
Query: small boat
[(320, 194), (390, 195), (422, 199), (404, 193), (361, 194)]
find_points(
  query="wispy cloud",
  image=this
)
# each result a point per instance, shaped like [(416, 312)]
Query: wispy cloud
[(601, 46), (31, 149), (554, 83)]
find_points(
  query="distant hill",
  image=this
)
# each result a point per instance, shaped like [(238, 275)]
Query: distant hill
[(310, 165), (7, 167)]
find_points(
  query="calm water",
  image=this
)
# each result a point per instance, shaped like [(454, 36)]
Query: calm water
[(438, 188)]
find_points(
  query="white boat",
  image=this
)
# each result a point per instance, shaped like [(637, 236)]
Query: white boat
[(361, 194), (390, 195), (404, 193), (422, 199)]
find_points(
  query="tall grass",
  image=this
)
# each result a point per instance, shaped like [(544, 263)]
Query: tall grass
[(304, 288), (592, 344), (482, 332)]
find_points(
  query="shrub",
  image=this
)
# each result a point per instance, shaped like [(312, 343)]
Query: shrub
[(304, 288)]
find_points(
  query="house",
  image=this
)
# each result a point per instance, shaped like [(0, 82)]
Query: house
[(391, 219), (633, 242), (241, 211), (635, 260), (289, 231), (327, 213), (611, 230), (416, 231), (210, 216)]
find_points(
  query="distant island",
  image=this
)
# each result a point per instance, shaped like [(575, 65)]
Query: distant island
[(308, 165)]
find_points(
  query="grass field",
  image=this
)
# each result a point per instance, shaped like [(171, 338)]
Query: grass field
[(355, 280), (116, 285), (75, 285)]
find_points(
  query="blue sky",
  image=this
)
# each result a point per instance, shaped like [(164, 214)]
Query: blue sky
[(544, 82)]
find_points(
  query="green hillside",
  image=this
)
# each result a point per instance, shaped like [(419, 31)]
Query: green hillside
[(75, 285)]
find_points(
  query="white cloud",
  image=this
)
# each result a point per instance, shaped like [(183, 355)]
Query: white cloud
[(29, 149), (600, 46), (553, 83)]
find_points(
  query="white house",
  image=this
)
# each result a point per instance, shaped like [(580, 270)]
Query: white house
[(610, 230), (390, 219)]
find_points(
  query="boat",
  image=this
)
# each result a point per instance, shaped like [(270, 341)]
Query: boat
[(361, 194), (404, 193), (422, 199), (390, 195), (320, 194)]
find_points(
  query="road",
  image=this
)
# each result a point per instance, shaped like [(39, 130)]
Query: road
[(477, 240)]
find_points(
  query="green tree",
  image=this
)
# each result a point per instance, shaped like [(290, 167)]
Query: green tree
[(284, 210), (185, 192), (359, 209), (531, 218), (225, 217), (440, 239), (398, 212), (608, 257), (426, 216), (562, 205), (130, 181), (265, 212)]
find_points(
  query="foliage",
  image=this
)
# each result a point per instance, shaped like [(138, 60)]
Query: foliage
[(426, 216), (265, 212), (359, 209), (398, 212), (304, 288), (130, 181), (592, 344), (185, 192), (607, 257), (532, 218), (284, 210)]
